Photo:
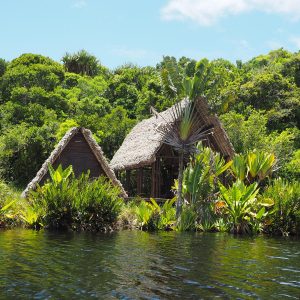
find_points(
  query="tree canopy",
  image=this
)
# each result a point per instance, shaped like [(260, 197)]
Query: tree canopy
[(258, 102)]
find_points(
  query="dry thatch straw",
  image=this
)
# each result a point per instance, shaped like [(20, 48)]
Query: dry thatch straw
[(96, 150), (145, 139)]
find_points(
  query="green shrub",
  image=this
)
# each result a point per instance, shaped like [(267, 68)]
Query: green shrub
[(292, 169), (75, 203), (127, 218), (5, 215), (4, 191), (152, 216), (187, 220), (144, 211), (255, 166), (200, 183), (32, 214), (7, 202), (241, 205), (167, 215), (201, 175), (221, 225), (284, 218)]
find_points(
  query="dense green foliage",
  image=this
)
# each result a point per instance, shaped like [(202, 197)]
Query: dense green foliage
[(284, 218), (258, 102), (246, 200), (67, 202), (249, 201), (8, 205)]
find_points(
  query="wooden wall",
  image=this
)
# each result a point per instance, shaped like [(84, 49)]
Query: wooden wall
[(154, 180), (78, 154)]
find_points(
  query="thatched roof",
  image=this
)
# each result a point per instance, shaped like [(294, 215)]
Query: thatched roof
[(95, 148), (143, 142)]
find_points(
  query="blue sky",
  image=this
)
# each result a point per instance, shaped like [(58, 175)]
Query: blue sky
[(142, 31)]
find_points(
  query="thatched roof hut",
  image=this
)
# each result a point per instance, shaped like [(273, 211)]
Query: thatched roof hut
[(144, 144), (79, 149)]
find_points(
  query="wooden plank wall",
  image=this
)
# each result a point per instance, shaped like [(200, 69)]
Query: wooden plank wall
[(78, 154)]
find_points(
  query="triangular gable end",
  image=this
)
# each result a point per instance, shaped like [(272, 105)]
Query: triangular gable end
[(77, 148)]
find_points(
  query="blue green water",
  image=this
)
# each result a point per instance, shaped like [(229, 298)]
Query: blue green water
[(140, 265)]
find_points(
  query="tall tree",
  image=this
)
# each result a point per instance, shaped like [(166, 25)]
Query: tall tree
[(184, 130), (81, 63)]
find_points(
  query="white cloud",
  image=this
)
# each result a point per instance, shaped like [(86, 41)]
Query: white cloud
[(207, 12), (80, 3), (296, 41)]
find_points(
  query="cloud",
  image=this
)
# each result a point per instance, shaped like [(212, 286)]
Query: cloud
[(80, 3), (208, 12), (296, 41)]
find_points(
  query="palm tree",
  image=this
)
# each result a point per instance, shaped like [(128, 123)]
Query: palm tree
[(184, 130), (81, 63)]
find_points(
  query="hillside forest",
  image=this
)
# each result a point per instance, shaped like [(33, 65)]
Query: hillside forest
[(258, 102)]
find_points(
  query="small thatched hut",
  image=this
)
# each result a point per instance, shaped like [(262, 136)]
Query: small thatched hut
[(79, 149), (148, 167)]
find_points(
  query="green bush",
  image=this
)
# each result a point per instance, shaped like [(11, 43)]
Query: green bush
[(187, 220), (4, 191), (234, 208), (144, 212), (241, 207), (7, 201), (200, 180), (75, 203), (149, 215), (284, 218), (127, 218), (292, 169), (152, 216)]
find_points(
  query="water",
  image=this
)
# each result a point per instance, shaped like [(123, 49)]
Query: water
[(140, 265)]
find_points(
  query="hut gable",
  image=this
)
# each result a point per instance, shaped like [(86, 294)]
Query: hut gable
[(141, 145), (79, 149), (78, 154)]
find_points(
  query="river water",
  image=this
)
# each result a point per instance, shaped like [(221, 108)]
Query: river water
[(141, 265)]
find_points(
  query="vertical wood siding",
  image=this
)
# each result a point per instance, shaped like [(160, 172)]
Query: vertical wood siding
[(78, 154)]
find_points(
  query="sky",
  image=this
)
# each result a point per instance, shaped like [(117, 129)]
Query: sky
[(143, 31)]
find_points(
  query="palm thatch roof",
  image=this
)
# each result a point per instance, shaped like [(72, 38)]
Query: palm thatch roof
[(144, 141), (95, 149)]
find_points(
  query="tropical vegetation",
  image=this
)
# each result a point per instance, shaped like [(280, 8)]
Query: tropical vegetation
[(257, 101)]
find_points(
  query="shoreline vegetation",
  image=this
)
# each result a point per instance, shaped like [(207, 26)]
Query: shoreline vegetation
[(258, 102), (250, 203)]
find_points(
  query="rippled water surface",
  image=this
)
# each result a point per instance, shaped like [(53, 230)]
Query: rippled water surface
[(139, 265)]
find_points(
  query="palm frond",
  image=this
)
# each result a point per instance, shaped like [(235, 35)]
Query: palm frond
[(184, 129)]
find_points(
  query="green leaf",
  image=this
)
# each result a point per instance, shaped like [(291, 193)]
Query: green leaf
[(7, 206), (267, 202), (260, 214)]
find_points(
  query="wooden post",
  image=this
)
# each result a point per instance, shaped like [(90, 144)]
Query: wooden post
[(153, 180), (127, 182), (139, 181), (158, 176), (179, 201)]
